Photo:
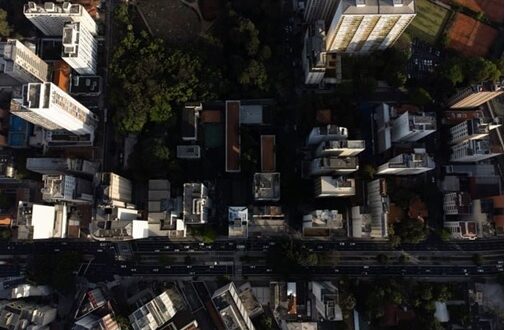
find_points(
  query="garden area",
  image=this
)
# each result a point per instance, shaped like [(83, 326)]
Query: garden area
[(429, 22)]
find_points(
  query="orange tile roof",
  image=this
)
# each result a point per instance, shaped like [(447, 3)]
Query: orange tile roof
[(61, 75), (323, 116)]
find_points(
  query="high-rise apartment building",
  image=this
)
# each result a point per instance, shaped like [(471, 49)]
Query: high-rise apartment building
[(378, 207), (475, 95), (340, 148), (473, 129), (20, 65), (62, 166), (48, 106), (314, 53), (327, 186), (80, 48), (157, 312), (410, 127), (51, 17), (474, 151), (363, 26), (231, 309), (320, 10), (334, 165), (326, 133), (413, 163)]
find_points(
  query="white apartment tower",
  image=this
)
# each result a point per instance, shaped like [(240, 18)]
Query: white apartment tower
[(327, 186), (410, 127), (46, 105), (408, 164), (320, 10), (80, 48), (51, 17), (20, 63), (363, 26), (314, 53), (378, 205), (474, 151)]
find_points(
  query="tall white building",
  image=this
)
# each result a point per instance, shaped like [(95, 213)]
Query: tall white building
[(48, 106), (473, 129), (156, 312), (340, 148), (326, 133), (20, 64), (327, 186), (314, 53), (474, 151), (51, 17), (231, 309), (320, 10), (408, 164), (363, 26), (475, 95), (80, 48), (334, 165), (410, 127)]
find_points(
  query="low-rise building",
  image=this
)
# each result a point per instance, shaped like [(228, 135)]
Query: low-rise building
[(19, 314), (327, 186), (195, 204), (36, 221), (66, 188), (238, 221), (62, 166), (378, 207), (408, 164), (115, 190), (457, 203), (322, 222), (266, 186)]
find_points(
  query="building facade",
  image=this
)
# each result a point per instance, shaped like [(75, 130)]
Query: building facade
[(473, 96), (233, 314), (46, 105), (20, 64), (80, 48), (378, 205), (320, 10), (314, 53), (408, 164), (327, 186), (363, 26), (50, 17), (474, 151), (473, 129)]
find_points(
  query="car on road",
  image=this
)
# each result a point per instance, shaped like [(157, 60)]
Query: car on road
[(123, 266), (480, 270), (156, 270), (133, 270)]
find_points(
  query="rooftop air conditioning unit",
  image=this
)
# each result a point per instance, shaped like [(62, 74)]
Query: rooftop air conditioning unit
[(49, 6)]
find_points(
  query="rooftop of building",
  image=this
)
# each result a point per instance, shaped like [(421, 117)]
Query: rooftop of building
[(268, 153), (267, 186), (238, 218), (337, 162), (195, 203), (378, 7), (86, 85)]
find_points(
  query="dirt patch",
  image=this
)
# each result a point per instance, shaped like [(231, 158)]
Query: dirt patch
[(170, 20)]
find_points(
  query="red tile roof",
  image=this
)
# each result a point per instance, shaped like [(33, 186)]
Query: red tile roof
[(267, 153)]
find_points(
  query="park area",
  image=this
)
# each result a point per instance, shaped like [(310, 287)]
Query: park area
[(471, 37), (429, 22)]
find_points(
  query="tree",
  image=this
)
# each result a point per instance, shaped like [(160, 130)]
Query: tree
[(420, 96), (254, 74), (411, 231), (452, 70), (5, 29), (445, 234), (265, 323), (55, 270), (478, 69), (122, 321), (403, 259), (367, 171)]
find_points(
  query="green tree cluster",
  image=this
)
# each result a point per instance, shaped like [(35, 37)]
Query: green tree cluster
[(148, 81), (290, 255), (5, 29), (411, 231), (462, 71)]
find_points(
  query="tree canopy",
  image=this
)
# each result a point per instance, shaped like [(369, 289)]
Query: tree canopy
[(411, 231), (5, 29)]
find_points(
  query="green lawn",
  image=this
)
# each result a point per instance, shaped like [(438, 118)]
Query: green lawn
[(429, 22)]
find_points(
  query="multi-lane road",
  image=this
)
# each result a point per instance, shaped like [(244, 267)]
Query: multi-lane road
[(106, 262)]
